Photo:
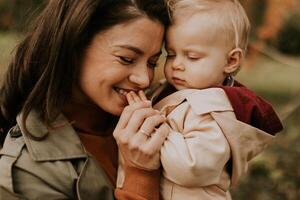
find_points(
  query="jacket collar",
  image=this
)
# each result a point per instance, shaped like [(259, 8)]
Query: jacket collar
[(252, 109), (60, 142), (201, 101), (247, 106)]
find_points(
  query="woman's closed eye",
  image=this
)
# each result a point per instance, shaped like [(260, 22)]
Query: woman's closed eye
[(125, 60), (152, 64)]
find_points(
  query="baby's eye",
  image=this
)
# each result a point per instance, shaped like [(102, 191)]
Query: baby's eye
[(193, 58), (170, 55), (126, 60)]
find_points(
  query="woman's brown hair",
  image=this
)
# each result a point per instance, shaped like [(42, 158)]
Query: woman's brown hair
[(47, 61)]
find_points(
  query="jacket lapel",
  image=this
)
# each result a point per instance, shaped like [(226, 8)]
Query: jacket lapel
[(61, 141)]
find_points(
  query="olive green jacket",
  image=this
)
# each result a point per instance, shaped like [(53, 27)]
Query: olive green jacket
[(57, 167)]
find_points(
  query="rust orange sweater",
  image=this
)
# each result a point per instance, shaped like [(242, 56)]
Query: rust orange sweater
[(139, 184), (90, 122)]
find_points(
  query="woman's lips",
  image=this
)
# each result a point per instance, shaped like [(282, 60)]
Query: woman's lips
[(123, 92)]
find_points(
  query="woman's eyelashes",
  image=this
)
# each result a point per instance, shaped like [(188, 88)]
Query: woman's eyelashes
[(125, 60), (152, 65)]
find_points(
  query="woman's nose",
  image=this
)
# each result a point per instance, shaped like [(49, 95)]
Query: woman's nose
[(141, 77)]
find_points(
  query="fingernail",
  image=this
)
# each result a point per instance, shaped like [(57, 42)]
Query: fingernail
[(148, 102)]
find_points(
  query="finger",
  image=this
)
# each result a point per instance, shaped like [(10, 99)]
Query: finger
[(137, 118), (128, 111), (136, 97), (130, 98), (142, 95), (157, 139), (150, 123), (132, 137), (137, 140), (148, 128)]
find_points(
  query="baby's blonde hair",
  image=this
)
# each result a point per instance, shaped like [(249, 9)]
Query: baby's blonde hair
[(229, 14)]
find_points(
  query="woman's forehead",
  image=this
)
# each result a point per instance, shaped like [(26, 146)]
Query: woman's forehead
[(139, 35)]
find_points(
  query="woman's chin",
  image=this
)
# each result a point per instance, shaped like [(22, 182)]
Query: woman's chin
[(116, 107), (117, 111)]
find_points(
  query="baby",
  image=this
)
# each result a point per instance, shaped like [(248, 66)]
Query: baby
[(216, 125)]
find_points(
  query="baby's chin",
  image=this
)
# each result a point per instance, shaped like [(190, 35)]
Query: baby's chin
[(180, 87)]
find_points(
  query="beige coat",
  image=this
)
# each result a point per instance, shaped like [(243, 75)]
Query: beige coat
[(55, 168), (204, 136)]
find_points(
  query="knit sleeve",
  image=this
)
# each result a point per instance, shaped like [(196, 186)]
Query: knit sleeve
[(139, 184)]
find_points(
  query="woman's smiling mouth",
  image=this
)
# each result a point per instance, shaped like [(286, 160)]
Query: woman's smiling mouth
[(123, 92)]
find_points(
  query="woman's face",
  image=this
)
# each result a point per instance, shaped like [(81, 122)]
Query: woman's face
[(119, 60)]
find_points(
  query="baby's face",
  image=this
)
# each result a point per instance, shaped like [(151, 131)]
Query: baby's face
[(197, 53)]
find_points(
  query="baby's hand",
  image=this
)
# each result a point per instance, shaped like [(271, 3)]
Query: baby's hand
[(133, 97)]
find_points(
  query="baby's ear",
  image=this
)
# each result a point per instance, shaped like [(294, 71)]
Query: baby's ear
[(234, 60)]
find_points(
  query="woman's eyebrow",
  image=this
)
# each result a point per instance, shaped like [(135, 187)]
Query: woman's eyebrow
[(131, 48), (157, 54), (135, 49)]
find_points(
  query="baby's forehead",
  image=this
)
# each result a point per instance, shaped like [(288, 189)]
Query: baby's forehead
[(192, 38), (226, 16), (211, 18), (190, 7), (202, 26)]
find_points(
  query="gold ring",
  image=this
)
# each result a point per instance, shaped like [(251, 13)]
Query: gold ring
[(145, 133)]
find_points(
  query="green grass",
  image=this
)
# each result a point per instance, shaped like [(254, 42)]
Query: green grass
[(269, 76), (274, 175), (8, 42)]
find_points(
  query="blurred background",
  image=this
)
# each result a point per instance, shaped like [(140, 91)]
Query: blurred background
[(271, 68)]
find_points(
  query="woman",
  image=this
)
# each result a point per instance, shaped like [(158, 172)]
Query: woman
[(63, 92)]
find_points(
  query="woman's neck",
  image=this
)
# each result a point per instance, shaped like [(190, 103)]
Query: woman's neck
[(88, 118)]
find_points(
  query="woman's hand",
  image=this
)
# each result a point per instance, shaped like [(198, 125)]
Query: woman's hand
[(140, 133)]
